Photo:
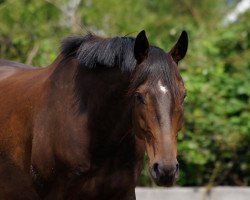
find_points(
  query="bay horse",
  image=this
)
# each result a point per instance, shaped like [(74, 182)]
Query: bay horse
[(80, 127)]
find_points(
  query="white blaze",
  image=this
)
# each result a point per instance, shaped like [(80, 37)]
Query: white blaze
[(162, 88)]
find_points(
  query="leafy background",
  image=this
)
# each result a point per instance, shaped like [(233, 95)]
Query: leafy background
[(214, 145)]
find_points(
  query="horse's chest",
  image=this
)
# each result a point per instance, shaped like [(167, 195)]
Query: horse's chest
[(109, 184)]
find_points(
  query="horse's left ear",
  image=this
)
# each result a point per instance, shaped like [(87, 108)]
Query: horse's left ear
[(179, 50), (141, 47)]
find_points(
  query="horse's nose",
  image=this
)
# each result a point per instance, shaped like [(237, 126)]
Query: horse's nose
[(162, 170), (165, 174)]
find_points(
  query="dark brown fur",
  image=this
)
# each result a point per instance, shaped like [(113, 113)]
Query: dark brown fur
[(51, 144), (14, 183), (72, 125)]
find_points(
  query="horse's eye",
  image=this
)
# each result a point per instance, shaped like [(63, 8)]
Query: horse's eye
[(140, 98), (184, 95)]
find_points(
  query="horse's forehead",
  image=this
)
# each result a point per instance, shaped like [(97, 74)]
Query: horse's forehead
[(163, 91)]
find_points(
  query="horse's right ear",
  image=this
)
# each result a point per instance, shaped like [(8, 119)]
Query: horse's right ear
[(141, 47), (180, 48)]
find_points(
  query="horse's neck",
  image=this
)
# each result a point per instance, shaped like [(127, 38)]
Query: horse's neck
[(101, 94), (84, 120), (113, 147), (85, 124), (57, 125)]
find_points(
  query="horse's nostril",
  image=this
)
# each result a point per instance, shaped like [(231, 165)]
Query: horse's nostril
[(177, 166), (162, 171), (156, 168)]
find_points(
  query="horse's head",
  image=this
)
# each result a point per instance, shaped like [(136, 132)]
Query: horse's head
[(159, 92)]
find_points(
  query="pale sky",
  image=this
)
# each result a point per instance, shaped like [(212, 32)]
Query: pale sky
[(241, 7)]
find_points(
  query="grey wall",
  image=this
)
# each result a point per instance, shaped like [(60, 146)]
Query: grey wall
[(185, 193)]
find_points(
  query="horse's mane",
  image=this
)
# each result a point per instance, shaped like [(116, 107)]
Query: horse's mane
[(94, 51)]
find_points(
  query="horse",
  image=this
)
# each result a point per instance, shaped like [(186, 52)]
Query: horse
[(80, 127)]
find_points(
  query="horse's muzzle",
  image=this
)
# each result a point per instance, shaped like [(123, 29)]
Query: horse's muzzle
[(164, 175)]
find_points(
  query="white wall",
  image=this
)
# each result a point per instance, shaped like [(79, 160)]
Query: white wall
[(185, 193)]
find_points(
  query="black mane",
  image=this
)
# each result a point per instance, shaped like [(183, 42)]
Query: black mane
[(93, 51)]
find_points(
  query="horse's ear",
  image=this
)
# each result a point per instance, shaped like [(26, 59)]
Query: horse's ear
[(141, 47), (180, 48)]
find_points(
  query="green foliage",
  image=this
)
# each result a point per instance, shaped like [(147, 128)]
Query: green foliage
[(27, 26), (214, 143), (217, 110)]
